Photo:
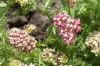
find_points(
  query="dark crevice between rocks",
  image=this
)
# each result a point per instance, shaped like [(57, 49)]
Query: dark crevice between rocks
[(34, 17)]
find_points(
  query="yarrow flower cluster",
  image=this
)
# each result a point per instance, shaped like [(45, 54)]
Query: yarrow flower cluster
[(56, 58), (93, 42), (21, 39), (67, 26)]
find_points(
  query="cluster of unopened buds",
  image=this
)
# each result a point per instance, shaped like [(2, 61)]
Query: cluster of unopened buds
[(67, 26), (60, 59), (30, 28), (56, 58), (93, 42), (47, 54), (21, 39)]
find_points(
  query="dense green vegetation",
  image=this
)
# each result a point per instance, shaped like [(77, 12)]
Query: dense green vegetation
[(77, 53)]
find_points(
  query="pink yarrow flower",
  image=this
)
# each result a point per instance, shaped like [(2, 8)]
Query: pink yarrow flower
[(67, 27), (60, 18), (68, 37)]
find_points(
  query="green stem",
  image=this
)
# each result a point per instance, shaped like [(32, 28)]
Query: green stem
[(72, 11)]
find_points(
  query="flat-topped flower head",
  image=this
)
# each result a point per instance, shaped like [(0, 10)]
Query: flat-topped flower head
[(67, 26), (93, 42), (68, 37), (21, 39), (60, 18), (77, 26)]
